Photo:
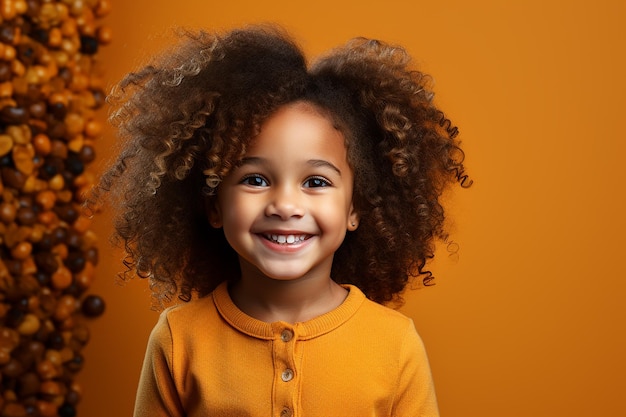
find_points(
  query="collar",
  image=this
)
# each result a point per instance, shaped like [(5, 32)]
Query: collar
[(303, 330)]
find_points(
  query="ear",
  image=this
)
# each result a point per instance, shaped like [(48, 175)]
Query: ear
[(353, 219), (214, 214)]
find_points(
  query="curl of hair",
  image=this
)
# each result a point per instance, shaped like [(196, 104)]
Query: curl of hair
[(404, 154), (187, 119)]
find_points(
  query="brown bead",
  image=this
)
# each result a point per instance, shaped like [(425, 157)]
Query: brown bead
[(13, 368), (87, 154), (13, 178), (26, 216), (35, 349), (47, 262), (72, 397), (59, 149), (14, 409), (29, 384), (5, 71), (38, 109), (93, 306), (14, 115)]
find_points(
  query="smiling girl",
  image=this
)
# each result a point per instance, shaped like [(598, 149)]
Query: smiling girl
[(284, 204)]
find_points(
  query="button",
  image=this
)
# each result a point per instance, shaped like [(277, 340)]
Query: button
[(286, 412), (287, 375), (286, 335)]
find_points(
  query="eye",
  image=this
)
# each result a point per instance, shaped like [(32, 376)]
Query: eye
[(254, 180), (315, 182)]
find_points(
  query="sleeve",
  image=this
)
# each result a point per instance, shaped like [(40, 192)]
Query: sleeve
[(415, 395), (157, 395)]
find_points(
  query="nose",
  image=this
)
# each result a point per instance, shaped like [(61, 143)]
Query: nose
[(285, 202)]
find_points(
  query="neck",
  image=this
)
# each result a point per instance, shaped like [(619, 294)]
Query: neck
[(291, 301)]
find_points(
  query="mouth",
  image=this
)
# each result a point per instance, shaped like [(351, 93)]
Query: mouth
[(286, 239)]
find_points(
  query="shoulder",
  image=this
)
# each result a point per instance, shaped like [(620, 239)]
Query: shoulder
[(191, 311), (380, 322), (378, 313), (186, 318)]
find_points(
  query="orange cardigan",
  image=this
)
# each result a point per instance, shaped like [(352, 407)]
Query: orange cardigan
[(208, 358)]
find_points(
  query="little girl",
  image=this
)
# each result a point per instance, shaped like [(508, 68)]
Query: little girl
[(284, 203)]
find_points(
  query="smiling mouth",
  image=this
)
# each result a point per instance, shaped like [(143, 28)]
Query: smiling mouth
[(285, 239)]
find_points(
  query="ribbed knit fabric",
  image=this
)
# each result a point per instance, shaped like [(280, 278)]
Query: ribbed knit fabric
[(208, 358)]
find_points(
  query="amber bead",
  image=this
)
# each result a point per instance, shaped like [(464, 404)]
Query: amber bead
[(50, 87), (8, 212), (46, 369), (46, 199), (52, 388), (22, 250), (42, 144), (9, 338), (14, 409), (80, 333), (47, 408), (105, 35), (61, 278), (5, 356)]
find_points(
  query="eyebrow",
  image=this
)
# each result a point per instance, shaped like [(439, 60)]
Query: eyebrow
[(254, 160), (323, 163)]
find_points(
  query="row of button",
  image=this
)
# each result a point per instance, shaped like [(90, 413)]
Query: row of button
[(287, 374)]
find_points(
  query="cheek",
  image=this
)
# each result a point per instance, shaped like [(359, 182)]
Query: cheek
[(334, 215), (237, 213)]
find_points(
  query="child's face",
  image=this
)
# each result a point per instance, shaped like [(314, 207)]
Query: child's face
[(286, 209)]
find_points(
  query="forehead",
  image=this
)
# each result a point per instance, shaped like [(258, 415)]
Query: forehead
[(299, 127)]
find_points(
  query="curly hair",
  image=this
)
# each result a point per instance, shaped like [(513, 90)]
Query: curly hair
[(187, 119)]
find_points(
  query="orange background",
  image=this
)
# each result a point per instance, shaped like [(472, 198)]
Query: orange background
[(529, 319)]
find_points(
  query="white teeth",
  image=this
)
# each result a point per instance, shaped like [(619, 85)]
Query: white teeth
[(289, 239)]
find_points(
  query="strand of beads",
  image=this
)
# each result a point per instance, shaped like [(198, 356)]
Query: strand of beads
[(51, 86)]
